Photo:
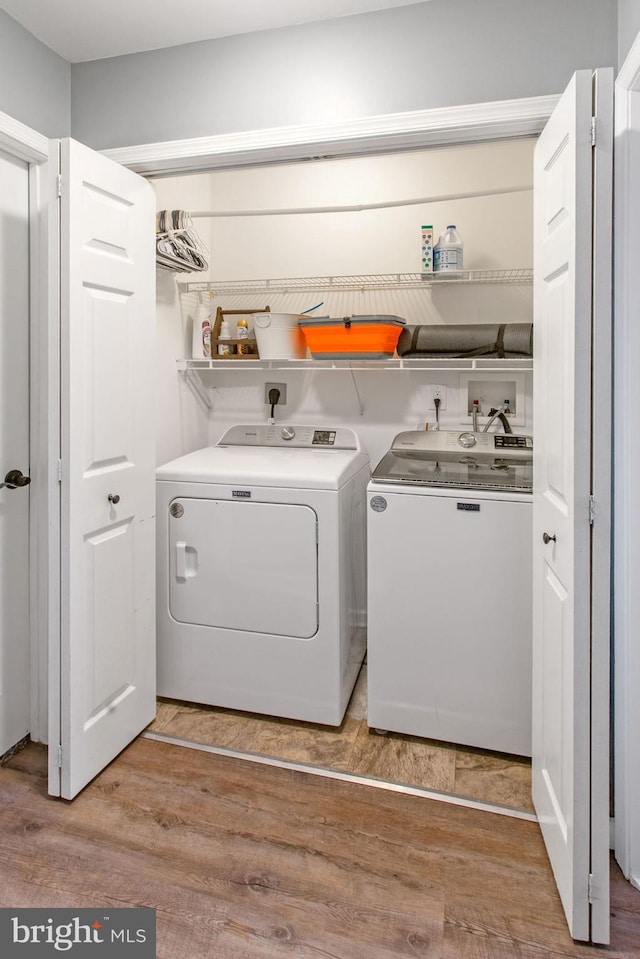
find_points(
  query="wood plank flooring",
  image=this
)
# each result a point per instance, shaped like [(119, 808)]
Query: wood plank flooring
[(247, 861), (475, 774)]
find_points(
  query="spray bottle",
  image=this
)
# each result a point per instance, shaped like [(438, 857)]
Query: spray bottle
[(201, 339)]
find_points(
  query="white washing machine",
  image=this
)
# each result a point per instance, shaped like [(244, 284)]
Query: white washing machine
[(450, 589), (262, 572)]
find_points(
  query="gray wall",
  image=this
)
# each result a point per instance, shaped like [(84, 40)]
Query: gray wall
[(628, 26), (435, 54), (35, 83)]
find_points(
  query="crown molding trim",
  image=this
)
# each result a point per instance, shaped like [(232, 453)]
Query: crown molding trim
[(386, 133)]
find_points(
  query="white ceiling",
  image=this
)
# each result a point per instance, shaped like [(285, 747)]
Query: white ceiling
[(90, 30)]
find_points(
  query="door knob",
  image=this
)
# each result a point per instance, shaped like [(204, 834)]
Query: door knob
[(547, 538), (15, 478), (113, 498)]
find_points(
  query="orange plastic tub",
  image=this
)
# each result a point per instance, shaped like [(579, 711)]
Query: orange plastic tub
[(352, 337)]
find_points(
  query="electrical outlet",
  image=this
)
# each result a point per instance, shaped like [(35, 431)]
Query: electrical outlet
[(438, 392), (282, 399)]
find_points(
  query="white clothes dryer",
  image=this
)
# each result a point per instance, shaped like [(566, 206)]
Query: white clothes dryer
[(262, 572)]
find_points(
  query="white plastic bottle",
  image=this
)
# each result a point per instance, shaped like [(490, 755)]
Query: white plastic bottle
[(201, 333), (224, 349), (447, 253)]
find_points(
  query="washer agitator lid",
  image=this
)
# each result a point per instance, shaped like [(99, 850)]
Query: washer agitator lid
[(299, 457)]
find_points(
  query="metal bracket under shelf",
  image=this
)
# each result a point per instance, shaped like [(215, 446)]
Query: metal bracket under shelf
[(357, 392), (202, 394), (197, 386), (191, 369)]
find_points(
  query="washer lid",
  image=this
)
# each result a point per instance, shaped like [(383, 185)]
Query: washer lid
[(260, 466), (455, 470)]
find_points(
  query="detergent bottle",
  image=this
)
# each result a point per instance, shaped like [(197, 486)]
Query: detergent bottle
[(447, 253)]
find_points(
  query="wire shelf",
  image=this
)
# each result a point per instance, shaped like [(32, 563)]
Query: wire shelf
[(384, 281), (519, 364)]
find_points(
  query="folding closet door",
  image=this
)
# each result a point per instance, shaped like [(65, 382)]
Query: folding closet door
[(106, 690), (571, 506)]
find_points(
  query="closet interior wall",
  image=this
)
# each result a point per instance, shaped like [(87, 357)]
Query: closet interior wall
[(497, 233)]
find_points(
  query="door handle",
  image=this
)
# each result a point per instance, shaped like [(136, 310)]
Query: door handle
[(14, 479), (186, 561), (181, 560), (548, 538)]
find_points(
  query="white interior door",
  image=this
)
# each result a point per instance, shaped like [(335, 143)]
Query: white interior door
[(14, 450), (570, 623), (107, 645)]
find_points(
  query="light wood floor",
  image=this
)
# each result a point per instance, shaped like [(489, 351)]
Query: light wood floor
[(489, 777), (246, 861)]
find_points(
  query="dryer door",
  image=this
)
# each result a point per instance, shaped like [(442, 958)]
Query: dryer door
[(243, 565)]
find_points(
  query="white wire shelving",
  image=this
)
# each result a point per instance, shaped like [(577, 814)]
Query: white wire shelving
[(383, 281), (331, 288), (457, 365)]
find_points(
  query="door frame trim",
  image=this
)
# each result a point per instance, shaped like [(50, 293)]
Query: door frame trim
[(500, 119), (21, 141), (626, 458), (24, 143)]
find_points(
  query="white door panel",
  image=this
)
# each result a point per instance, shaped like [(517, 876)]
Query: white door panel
[(109, 338), (107, 651), (14, 450), (564, 766), (114, 437)]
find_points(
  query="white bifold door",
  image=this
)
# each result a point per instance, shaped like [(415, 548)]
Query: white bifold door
[(105, 693), (571, 521)]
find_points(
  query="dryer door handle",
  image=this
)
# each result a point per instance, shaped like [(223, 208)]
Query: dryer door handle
[(181, 560), (186, 561)]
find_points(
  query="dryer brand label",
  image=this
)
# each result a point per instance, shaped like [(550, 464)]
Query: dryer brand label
[(176, 510), (241, 493), (378, 504), (469, 507)]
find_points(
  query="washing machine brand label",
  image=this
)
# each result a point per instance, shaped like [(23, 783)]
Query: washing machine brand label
[(378, 504), (176, 510), (469, 507), (241, 493)]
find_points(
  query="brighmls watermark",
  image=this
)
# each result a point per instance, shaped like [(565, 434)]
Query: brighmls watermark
[(79, 933)]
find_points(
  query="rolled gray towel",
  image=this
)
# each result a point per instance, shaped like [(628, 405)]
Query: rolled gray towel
[(462, 340)]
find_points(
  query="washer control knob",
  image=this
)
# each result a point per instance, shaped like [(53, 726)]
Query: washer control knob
[(467, 440), (287, 432)]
